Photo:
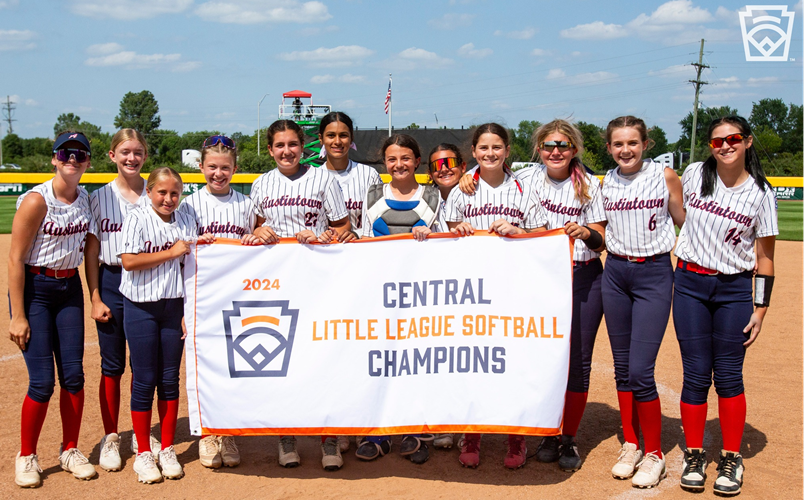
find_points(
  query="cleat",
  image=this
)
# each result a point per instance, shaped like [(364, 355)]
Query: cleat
[(443, 441), (693, 476), (331, 455), (110, 453), (343, 443), (74, 462), (730, 474), (516, 453), (27, 471), (209, 452), (548, 449), (156, 446), (470, 450), (649, 472), (628, 459), (171, 468), (146, 468), (569, 459), (288, 456), (230, 455)]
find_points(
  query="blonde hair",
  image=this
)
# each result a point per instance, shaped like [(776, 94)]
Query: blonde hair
[(128, 134), (578, 174), (221, 149), (160, 173)]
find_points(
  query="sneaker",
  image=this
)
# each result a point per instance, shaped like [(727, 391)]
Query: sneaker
[(730, 474), (230, 455), (649, 472), (74, 462), (171, 468), (343, 443), (110, 453), (331, 454), (155, 446), (146, 468), (209, 452), (444, 441), (628, 459), (288, 456), (569, 459), (693, 476), (516, 453), (370, 448), (548, 449), (27, 471), (470, 450)]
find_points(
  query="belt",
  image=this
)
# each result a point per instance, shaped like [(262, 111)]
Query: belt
[(695, 268), (583, 263), (650, 258), (53, 273)]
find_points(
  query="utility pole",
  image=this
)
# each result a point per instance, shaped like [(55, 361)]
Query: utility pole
[(258, 122), (8, 113), (697, 83), (1, 144)]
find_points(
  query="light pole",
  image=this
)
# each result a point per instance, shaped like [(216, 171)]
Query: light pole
[(258, 123)]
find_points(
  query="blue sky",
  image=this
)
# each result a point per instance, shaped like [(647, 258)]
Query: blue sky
[(464, 61)]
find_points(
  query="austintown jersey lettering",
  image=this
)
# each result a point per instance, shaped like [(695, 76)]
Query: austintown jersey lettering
[(144, 231), (59, 241), (638, 221), (229, 216), (291, 206), (355, 181), (109, 209), (518, 204), (720, 230)]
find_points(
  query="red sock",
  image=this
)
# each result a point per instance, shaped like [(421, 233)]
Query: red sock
[(650, 414), (732, 416), (33, 416), (109, 396), (629, 418), (693, 419), (141, 423), (575, 402), (168, 414), (71, 407)]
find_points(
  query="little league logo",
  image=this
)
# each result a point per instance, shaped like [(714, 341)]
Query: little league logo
[(259, 338), (766, 36)]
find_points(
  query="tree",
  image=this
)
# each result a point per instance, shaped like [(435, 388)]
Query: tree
[(792, 139), (771, 114), (139, 111), (595, 147), (706, 115), (413, 126), (766, 141), (660, 146), (12, 147), (521, 147), (70, 121)]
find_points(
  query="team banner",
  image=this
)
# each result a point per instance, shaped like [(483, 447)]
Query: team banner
[(381, 336)]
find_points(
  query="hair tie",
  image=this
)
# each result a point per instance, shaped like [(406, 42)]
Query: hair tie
[(322, 153), (353, 146)]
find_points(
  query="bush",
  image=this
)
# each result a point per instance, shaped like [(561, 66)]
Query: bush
[(248, 161)]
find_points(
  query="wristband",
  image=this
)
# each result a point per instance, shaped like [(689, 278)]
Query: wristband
[(595, 240), (763, 286)]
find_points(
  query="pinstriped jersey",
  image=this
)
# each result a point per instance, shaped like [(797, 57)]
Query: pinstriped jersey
[(59, 241), (558, 199), (291, 206), (638, 221), (229, 216), (109, 209), (355, 181), (720, 230), (515, 201), (145, 232), (441, 221)]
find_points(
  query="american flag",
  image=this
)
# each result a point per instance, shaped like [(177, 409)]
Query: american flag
[(388, 98)]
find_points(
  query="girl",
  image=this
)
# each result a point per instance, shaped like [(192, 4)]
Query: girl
[(221, 212), (642, 202), (497, 186), (155, 240), (298, 201), (46, 304), (729, 231), (110, 205)]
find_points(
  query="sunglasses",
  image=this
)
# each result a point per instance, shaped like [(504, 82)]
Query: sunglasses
[(218, 139), (441, 163), (562, 146), (64, 155), (732, 140)]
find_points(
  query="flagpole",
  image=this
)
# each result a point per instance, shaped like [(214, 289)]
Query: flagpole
[(391, 102)]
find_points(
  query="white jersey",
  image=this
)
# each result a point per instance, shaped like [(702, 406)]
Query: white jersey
[(558, 199), (355, 181), (228, 216), (638, 221), (442, 220), (145, 232), (514, 200), (291, 206), (59, 241), (720, 230), (109, 209)]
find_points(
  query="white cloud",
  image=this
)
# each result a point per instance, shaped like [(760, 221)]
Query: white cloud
[(451, 21), (596, 30), (103, 49), (764, 80), (730, 16), (675, 71), (262, 11), (30, 102), (602, 77), (343, 55), (674, 12), (128, 10), (7, 4), (423, 56), (347, 78), (318, 30), (517, 35), (540, 52), (113, 54), (468, 50), (555, 73), (322, 79), (731, 82), (15, 40)]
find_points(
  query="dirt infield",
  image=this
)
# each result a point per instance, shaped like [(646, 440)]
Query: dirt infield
[(772, 442)]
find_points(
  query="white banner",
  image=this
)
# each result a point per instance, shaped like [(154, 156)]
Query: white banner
[(381, 336)]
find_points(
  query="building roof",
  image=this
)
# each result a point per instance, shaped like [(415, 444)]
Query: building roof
[(369, 143)]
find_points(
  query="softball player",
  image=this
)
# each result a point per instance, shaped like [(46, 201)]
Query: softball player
[(446, 168), (504, 205), (642, 202), (46, 303), (155, 240), (729, 231)]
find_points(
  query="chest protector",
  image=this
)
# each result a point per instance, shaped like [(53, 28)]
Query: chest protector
[(395, 217)]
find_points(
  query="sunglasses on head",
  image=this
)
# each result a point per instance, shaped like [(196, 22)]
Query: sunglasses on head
[(562, 146), (731, 140), (64, 155), (441, 163), (218, 139)]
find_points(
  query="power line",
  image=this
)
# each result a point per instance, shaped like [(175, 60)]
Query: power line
[(698, 84), (8, 113)]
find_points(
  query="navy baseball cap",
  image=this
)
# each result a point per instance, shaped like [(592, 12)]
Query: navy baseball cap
[(66, 137)]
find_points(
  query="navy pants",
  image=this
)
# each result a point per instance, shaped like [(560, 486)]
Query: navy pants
[(55, 311), (710, 313), (587, 313), (154, 333), (637, 303), (111, 337)]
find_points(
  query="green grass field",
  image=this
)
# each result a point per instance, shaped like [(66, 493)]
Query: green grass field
[(789, 217)]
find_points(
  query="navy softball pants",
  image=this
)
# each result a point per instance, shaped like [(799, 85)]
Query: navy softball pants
[(710, 313), (587, 313), (637, 303), (111, 337)]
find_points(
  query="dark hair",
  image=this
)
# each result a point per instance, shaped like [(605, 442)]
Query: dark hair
[(751, 160), (629, 121), (281, 126), (336, 116), (447, 147), (490, 128), (402, 140)]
